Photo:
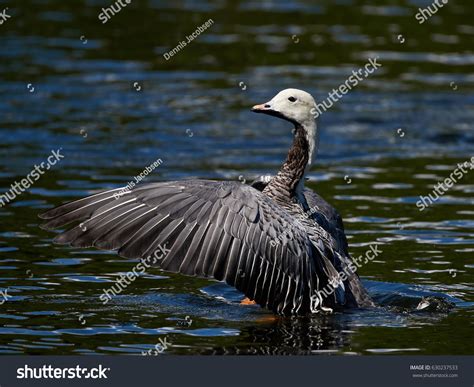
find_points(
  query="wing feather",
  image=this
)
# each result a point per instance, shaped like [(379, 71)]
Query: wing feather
[(222, 230)]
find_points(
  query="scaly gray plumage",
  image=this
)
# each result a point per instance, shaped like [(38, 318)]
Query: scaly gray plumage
[(261, 242)]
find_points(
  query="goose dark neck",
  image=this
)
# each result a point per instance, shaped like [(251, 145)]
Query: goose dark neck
[(284, 184)]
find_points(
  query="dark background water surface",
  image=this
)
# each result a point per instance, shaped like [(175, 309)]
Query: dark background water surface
[(106, 96)]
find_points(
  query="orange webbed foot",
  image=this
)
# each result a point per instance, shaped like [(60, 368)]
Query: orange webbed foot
[(247, 301)]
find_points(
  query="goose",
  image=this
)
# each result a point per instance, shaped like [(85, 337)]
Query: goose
[(279, 243)]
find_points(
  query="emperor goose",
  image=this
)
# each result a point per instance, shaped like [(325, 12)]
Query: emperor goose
[(277, 242)]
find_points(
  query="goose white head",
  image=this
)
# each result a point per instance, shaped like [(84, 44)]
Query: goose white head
[(298, 107)]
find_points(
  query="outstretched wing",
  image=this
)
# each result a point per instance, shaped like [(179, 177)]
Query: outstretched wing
[(224, 230)]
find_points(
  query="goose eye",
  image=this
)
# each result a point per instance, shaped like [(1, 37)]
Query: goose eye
[(292, 99)]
